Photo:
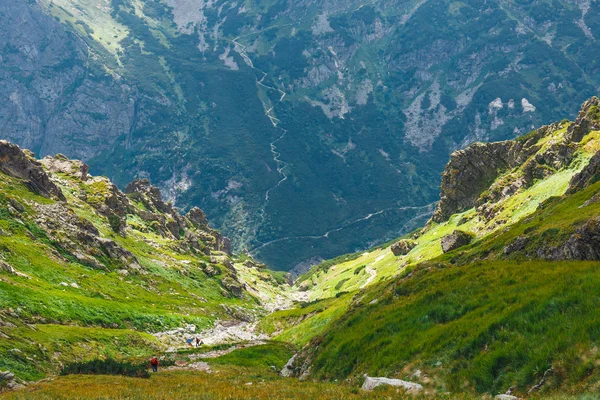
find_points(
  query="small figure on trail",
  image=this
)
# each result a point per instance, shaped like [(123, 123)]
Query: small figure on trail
[(189, 342), (154, 364), (198, 342)]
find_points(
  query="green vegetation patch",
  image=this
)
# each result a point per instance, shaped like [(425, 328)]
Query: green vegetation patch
[(482, 327)]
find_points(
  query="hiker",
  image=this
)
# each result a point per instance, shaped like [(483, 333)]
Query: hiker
[(189, 342), (154, 364), (198, 342)]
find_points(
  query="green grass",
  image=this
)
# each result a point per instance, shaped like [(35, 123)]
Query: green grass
[(299, 325), (60, 323), (274, 354), (481, 327)]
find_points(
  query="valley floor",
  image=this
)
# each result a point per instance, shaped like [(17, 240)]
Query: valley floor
[(224, 383)]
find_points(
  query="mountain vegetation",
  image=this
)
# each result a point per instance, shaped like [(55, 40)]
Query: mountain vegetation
[(304, 129), (495, 295)]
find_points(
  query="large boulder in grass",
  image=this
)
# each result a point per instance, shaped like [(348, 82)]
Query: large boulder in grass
[(372, 383), (455, 240), (403, 247)]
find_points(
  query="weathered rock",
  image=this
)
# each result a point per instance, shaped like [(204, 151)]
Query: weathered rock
[(468, 179), (472, 170), (232, 286), (505, 397), (150, 195), (4, 266), (587, 120), (197, 217), (455, 240), (588, 175), (371, 383), (403, 247), (516, 245), (14, 162), (582, 245), (210, 270), (60, 163)]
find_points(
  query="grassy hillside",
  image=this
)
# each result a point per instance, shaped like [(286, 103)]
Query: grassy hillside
[(79, 281), (514, 308)]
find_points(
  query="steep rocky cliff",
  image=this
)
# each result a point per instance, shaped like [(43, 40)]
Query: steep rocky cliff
[(476, 169)]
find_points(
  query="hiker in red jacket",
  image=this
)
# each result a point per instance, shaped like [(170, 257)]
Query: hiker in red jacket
[(154, 364)]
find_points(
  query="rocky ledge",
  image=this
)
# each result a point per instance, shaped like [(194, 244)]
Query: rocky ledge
[(467, 179)]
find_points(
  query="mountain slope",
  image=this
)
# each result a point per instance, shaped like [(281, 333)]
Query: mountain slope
[(262, 112), (485, 188), (513, 308), (87, 271)]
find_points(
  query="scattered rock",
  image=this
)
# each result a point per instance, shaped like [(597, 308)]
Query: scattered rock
[(583, 245), (8, 380), (455, 240), (232, 286), (372, 383), (403, 247), (4, 266), (517, 244), (304, 286)]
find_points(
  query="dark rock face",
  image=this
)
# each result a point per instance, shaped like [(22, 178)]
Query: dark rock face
[(197, 217), (14, 162), (471, 171), (402, 247), (582, 245), (455, 240), (588, 176), (587, 120)]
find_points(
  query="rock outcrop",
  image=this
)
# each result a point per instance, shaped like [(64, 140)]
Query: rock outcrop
[(470, 178), (19, 164), (588, 176), (455, 240), (61, 164), (192, 229), (587, 120), (472, 170), (584, 244)]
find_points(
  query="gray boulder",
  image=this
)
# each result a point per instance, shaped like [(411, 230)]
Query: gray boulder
[(372, 383), (403, 247), (455, 240)]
